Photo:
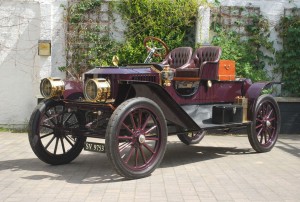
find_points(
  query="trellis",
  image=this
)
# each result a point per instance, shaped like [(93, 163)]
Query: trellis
[(94, 22), (234, 17), (291, 12)]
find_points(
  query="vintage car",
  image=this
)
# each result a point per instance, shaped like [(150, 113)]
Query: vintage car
[(129, 111)]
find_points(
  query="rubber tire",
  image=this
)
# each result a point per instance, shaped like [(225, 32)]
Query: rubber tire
[(184, 138), (36, 143), (112, 143), (251, 129)]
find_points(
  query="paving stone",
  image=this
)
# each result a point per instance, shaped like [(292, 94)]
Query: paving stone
[(219, 168)]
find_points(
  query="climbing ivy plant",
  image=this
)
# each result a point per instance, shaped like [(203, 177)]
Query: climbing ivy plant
[(246, 48), (88, 40), (172, 21), (89, 43), (288, 58)]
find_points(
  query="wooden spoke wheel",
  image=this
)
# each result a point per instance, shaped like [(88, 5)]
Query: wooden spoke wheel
[(136, 138), (50, 133), (263, 132)]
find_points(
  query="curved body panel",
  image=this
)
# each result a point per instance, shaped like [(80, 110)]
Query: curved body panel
[(73, 89)]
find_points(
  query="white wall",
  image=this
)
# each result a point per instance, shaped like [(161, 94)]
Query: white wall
[(22, 24)]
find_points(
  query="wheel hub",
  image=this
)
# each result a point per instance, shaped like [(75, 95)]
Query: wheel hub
[(268, 124), (142, 139), (59, 131)]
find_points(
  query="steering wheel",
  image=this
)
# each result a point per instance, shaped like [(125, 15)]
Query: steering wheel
[(158, 45)]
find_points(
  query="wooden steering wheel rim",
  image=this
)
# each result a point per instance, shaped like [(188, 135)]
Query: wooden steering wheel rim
[(158, 40)]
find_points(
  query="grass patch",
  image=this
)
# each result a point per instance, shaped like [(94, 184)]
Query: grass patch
[(4, 129), (14, 130)]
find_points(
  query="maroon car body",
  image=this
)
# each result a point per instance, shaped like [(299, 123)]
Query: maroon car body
[(134, 108)]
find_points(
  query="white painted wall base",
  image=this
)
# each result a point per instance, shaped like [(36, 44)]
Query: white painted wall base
[(22, 24)]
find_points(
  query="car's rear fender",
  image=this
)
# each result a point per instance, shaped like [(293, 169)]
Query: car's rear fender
[(172, 111), (253, 93)]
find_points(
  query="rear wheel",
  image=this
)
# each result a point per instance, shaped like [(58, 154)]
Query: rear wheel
[(136, 138), (263, 132), (192, 137), (50, 133)]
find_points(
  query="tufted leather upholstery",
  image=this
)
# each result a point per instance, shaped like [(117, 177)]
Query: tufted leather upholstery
[(206, 54), (205, 57), (179, 57)]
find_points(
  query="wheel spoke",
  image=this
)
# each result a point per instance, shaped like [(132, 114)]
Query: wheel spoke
[(152, 138), (132, 121), (62, 145), (259, 133), (68, 140), (270, 134), (146, 122), (68, 118), (130, 155), (140, 118), (270, 113), (127, 128), (259, 120), (125, 138), (136, 156), (259, 126), (46, 135), (149, 148), (56, 144), (272, 119), (265, 136), (124, 146), (50, 118), (50, 142), (143, 154), (261, 138), (150, 129)]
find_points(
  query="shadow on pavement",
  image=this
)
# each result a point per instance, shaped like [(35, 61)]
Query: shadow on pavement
[(90, 168), (289, 144)]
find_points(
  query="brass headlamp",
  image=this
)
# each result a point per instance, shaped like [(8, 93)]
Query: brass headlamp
[(52, 87), (97, 90)]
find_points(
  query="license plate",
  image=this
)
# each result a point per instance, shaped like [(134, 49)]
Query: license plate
[(95, 147)]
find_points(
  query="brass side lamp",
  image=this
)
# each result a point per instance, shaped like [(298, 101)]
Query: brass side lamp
[(167, 75)]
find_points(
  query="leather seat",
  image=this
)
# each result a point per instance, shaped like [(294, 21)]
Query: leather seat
[(204, 57), (179, 58)]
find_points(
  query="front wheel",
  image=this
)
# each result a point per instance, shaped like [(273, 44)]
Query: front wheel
[(136, 138), (50, 133), (263, 132)]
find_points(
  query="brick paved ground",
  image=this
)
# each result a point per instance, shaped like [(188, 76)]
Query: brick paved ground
[(220, 168)]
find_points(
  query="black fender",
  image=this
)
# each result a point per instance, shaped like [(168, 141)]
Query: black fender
[(172, 111)]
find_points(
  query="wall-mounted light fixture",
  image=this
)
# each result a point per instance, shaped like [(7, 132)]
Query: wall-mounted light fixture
[(44, 48)]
